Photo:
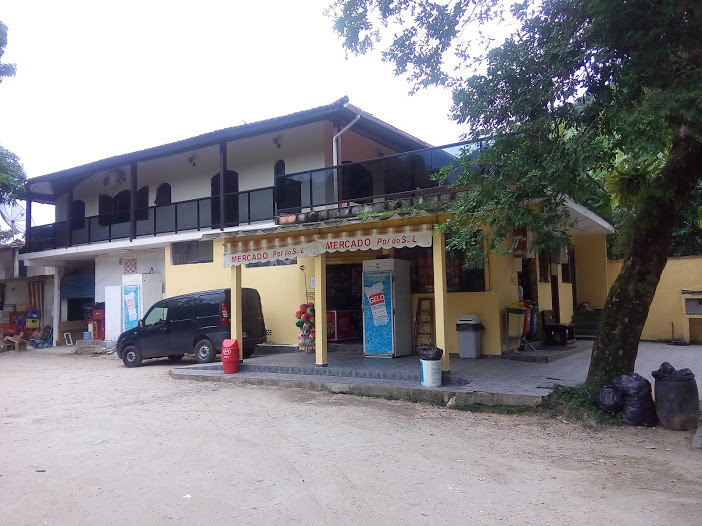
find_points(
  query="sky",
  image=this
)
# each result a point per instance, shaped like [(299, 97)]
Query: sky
[(97, 79)]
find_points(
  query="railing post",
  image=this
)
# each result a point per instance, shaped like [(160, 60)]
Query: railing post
[(28, 224), (69, 218), (222, 171), (198, 213)]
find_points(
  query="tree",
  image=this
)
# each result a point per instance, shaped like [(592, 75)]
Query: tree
[(577, 84), (12, 176)]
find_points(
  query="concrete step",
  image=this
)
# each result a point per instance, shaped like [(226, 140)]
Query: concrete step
[(338, 372)]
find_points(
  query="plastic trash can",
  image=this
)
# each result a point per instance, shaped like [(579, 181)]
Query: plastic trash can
[(430, 366), (469, 328), (515, 320)]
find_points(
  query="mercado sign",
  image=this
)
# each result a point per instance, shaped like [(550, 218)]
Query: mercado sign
[(269, 254), (400, 237)]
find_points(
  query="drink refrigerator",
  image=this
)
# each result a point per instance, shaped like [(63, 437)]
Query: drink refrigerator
[(139, 292), (386, 308)]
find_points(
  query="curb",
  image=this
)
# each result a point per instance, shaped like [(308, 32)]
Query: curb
[(461, 399)]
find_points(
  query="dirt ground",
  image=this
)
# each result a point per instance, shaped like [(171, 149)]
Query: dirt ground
[(85, 441)]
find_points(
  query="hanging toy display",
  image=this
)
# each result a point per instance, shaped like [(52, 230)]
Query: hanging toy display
[(304, 319)]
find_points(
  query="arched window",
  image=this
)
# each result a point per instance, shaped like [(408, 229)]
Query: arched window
[(77, 214), (121, 207), (106, 207), (231, 198), (163, 195), (279, 168)]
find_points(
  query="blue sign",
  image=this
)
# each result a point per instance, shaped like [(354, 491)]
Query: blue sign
[(130, 306), (377, 313)]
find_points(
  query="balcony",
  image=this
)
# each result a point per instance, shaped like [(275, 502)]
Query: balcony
[(376, 180)]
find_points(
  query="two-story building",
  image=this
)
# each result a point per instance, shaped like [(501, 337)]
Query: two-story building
[(291, 206)]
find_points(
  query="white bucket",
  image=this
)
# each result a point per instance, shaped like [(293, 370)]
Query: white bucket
[(431, 373)]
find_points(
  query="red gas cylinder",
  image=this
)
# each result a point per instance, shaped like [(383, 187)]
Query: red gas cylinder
[(527, 316), (230, 356)]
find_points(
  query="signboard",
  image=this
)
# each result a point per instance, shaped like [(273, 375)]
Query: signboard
[(335, 242)]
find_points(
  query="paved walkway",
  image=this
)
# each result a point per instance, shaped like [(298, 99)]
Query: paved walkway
[(486, 380)]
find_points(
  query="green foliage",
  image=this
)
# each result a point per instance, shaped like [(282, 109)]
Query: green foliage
[(574, 404), (6, 70), (580, 88), (577, 83), (12, 176)]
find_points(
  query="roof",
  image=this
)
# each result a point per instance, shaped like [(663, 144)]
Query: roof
[(47, 188)]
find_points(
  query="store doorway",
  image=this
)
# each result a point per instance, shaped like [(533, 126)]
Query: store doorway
[(344, 301)]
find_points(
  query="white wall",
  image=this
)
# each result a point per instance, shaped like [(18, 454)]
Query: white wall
[(302, 148), (109, 270)]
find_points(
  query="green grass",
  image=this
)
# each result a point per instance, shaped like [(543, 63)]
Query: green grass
[(574, 404), (567, 404)]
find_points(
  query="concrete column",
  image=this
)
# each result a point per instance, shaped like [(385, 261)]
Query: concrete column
[(58, 274), (439, 259), (235, 315), (320, 309)]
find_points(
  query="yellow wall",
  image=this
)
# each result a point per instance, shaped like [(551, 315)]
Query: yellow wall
[(183, 279), (279, 287), (591, 269), (489, 306), (665, 317)]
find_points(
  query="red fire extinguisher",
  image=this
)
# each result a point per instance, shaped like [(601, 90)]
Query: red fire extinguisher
[(230, 356)]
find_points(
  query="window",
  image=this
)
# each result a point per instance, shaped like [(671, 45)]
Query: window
[(77, 214), (106, 206), (231, 198), (421, 268), (191, 252), (545, 266), (163, 195), (157, 314), (460, 275)]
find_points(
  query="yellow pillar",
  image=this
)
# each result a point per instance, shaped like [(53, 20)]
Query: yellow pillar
[(235, 316), (439, 258), (320, 309)]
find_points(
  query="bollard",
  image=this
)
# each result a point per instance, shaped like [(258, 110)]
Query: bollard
[(230, 356)]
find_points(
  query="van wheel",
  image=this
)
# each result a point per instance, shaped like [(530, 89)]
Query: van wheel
[(248, 353), (205, 351), (131, 357), (175, 357)]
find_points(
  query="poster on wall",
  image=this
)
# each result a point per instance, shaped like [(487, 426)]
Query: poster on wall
[(130, 306)]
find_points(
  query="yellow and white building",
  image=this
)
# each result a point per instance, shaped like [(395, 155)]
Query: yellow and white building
[(304, 200)]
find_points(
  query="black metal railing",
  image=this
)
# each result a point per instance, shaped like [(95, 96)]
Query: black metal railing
[(195, 214), (401, 175), (404, 174)]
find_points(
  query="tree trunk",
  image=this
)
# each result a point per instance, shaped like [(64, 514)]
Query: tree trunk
[(626, 309)]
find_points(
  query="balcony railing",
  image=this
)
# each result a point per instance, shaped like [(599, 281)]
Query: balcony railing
[(195, 214), (401, 175)]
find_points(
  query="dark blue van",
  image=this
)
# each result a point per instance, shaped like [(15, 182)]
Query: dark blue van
[(195, 323)]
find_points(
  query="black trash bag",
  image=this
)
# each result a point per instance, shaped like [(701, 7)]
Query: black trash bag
[(609, 399), (638, 408), (430, 353), (668, 372)]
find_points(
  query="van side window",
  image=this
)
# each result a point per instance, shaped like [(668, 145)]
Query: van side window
[(181, 309), (157, 314), (209, 305)]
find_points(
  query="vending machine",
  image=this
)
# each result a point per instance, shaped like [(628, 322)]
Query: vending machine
[(387, 329), (139, 292)]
